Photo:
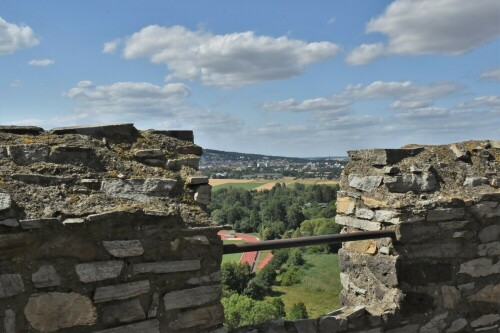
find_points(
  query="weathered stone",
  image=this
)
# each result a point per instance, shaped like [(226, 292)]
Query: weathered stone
[(411, 182), (457, 326), (111, 131), (214, 277), (345, 205), (121, 291), (198, 239), (5, 201), (9, 322), (489, 234), (435, 325), (20, 130), (113, 215), (381, 157), (357, 223), (157, 212), (123, 312), (489, 249), (73, 220), (10, 222), (190, 150), (329, 324), (137, 189), (475, 181), (459, 234), (191, 297), (388, 216), (155, 303), (207, 316), (374, 203), (149, 153), (124, 248), (490, 294), (451, 297), (480, 267), (365, 183), (166, 267), (363, 246), (46, 276), (42, 180), (391, 170), (198, 180), (50, 312), (411, 328), (466, 286), (98, 271), (459, 151), (484, 208), (364, 213), (29, 153), (147, 326), (203, 194), (11, 285), (487, 319), (73, 155), (38, 223), (306, 325), (347, 284), (445, 214), (176, 164)]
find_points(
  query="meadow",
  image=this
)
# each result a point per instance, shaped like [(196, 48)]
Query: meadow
[(263, 184)]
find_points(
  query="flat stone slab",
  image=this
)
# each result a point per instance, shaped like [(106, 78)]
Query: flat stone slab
[(98, 271), (191, 297), (214, 277), (137, 189), (148, 326), (118, 131), (5, 201), (167, 267), (184, 135), (10, 222), (123, 312), (9, 322), (29, 153), (38, 223), (411, 182), (124, 248), (11, 285), (198, 180), (21, 130), (121, 291), (46, 276), (50, 312), (365, 183), (357, 223)]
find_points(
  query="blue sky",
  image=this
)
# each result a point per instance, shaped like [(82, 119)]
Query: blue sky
[(289, 78)]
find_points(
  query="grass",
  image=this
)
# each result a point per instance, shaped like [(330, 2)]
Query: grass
[(261, 184), (246, 186), (233, 256), (320, 286)]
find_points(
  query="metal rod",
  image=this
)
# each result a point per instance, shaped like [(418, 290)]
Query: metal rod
[(306, 241)]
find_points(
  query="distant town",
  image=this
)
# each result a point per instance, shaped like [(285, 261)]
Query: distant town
[(221, 164)]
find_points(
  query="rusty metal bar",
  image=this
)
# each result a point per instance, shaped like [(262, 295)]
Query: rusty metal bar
[(306, 241)]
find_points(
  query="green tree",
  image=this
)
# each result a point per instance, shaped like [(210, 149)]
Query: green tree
[(240, 310), (235, 277), (277, 302), (298, 311)]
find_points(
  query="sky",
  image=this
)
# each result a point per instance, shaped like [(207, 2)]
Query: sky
[(289, 78)]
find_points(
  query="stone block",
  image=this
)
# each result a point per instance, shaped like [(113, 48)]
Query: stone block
[(387, 216), (38, 223), (203, 194), (10, 222), (29, 153), (191, 297), (485, 320), (46, 276), (11, 285), (190, 150), (121, 291), (357, 223), (21, 130), (381, 157), (124, 248), (166, 267), (198, 180), (49, 312), (5, 201), (98, 271), (178, 163), (451, 297), (363, 246), (364, 213), (475, 181), (73, 221), (345, 205), (445, 214), (329, 324), (306, 325), (73, 155), (411, 182), (202, 317), (138, 189), (459, 151), (489, 294), (435, 325), (197, 240), (155, 303), (365, 183), (214, 277), (457, 326), (9, 321), (111, 131), (489, 234), (489, 249), (147, 326), (123, 312), (480, 267)]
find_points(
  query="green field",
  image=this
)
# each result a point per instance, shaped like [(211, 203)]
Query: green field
[(320, 286), (234, 256), (245, 186)]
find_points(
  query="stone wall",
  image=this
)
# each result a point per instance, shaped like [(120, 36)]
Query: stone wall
[(443, 272), (104, 229)]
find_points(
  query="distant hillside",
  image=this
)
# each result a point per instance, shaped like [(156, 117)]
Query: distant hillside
[(211, 155)]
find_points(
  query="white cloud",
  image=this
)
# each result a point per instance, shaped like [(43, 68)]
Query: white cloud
[(493, 74), (365, 53), (16, 83), (41, 62), (14, 37), (489, 102), (449, 27), (228, 60), (110, 47)]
